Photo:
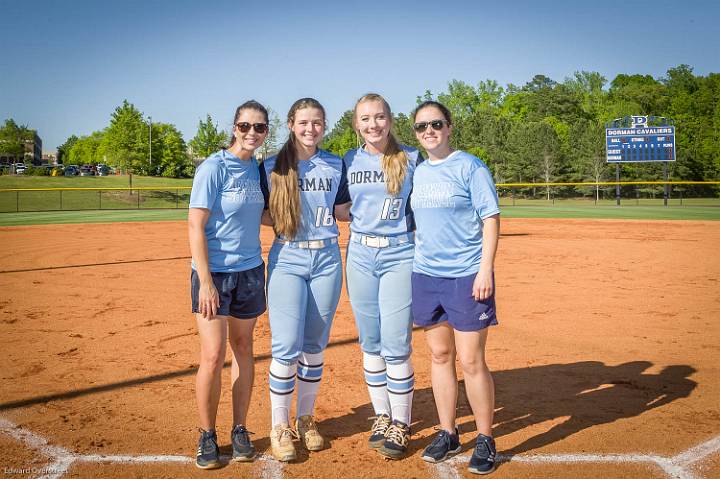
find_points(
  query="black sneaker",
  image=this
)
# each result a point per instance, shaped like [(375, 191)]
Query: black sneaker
[(444, 445), (208, 453), (378, 431), (243, 450), (396, 440), (483, 457)]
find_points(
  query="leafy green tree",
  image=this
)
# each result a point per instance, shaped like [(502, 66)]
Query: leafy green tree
[(588, 160), (86, 150), (63, 151), (127, 139), (342, 137), (170, 158), (12, 139), (208, 138)]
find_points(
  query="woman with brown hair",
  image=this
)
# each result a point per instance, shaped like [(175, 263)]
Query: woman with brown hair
[(304, 272), (228, 276)]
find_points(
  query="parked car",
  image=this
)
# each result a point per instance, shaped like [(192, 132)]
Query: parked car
[(20, 168), (87, 170), (103, 170), (72, 170)]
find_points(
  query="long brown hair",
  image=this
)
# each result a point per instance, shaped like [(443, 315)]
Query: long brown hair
[(284, 189), (394, 160)]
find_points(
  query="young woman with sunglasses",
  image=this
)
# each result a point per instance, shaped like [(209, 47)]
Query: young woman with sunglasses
[(456, 210), (378, 268), (304, 272), (228, 276)]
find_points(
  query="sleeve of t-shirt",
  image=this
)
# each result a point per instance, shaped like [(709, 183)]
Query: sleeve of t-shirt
[(207, 185), (482, 192), (343, 194), (264, 186)]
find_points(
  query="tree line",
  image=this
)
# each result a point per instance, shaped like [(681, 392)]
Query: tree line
[(543, 131), (549, 131)]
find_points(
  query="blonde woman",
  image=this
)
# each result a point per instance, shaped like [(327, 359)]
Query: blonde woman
[(304, 272), (379, 267)]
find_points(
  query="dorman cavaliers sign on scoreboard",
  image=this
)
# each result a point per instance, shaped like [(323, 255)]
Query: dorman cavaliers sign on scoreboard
[(640, 142)]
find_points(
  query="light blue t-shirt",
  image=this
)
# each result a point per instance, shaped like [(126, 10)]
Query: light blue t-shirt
[(323, 184), (375, 211), (449, 201), (231, 189)]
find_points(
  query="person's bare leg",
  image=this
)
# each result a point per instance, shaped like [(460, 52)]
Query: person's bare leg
[(213, 336), (441, 341), (243, 366), (478, 380)]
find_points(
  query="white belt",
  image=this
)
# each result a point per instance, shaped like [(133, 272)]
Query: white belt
[(309, 244), (382, 241)]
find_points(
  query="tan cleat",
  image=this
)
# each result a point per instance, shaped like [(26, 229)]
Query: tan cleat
[(281, 442), (308, 433)]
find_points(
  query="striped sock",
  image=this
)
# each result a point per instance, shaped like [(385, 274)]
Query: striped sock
[(376, 380), (282, 385), (400, 386), (309, 373)]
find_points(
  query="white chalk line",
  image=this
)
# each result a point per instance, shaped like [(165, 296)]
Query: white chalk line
[(676, 467), (61, 458)]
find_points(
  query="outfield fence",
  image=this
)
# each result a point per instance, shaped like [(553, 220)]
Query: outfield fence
[(651, 193)]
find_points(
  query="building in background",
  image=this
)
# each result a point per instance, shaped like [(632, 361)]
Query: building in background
[(30, 145)]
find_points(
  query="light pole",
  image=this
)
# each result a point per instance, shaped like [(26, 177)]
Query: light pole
[(150, 142)]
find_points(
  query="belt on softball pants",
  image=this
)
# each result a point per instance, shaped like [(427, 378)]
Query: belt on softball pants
[(382, 241), (309, 244)]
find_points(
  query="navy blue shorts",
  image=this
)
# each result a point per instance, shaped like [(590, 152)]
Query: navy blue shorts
[(435, 300), (242, 293)]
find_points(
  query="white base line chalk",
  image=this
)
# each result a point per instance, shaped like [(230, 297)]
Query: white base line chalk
[(676, 467)]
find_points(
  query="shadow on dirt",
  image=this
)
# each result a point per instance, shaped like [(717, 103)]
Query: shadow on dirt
[(587, 393)]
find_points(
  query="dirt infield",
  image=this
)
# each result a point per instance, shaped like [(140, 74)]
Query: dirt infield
[(605, 360)]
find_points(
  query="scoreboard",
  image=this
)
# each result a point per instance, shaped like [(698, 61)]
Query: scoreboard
[(643, 144)]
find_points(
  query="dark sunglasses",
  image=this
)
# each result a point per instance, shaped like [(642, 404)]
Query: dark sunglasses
[(435, 124), (258, 127)]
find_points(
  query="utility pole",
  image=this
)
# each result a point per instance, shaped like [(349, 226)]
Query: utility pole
[(150, 119)]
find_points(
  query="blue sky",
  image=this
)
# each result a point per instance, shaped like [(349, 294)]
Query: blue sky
[(66, 65)]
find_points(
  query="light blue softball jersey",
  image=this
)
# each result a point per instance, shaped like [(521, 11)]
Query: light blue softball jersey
[(374, 211), (449, 201), (234, 193), (323, 184)]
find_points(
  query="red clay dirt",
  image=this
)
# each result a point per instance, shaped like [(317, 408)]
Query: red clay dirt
[(608, 344)]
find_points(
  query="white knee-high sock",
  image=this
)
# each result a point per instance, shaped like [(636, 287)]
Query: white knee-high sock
[(309, 374), (400, 385), (376, 380), (282, 385)]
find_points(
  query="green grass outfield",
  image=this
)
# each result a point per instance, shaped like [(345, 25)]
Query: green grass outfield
[(118, 181), (535, 211)]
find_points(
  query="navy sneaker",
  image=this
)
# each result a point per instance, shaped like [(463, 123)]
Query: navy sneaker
[(243, 449), (379, 429), (208, 453), (483, 457), (396, 440), (444, 445)]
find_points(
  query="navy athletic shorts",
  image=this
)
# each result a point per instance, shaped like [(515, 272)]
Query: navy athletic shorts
[(242, 293), (435, 300)]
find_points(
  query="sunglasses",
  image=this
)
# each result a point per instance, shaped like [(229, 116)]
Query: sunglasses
[(258, 127), (436, 125)]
